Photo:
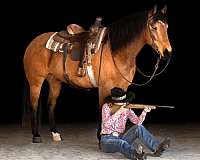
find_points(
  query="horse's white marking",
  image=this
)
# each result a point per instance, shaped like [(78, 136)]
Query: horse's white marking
[(56, 137)]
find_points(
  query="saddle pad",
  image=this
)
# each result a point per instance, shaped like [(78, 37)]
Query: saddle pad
[(56, 46)]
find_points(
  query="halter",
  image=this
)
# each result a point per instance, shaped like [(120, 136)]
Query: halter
[(156, 65)]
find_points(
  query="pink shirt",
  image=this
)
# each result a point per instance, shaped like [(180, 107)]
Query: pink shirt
[(117, 121)]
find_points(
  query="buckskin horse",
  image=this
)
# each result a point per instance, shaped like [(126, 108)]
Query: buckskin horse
[(113, 65)]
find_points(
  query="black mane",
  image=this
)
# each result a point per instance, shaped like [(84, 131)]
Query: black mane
[(124, 31)]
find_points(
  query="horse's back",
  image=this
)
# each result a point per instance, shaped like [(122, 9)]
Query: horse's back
[(38, 43)]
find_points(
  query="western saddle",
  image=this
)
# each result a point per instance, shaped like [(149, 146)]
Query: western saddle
[(78, 43)]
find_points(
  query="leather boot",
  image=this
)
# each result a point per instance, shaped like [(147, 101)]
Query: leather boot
[(138, 153), (162, 147)]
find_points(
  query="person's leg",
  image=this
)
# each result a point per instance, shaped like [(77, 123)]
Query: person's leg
[(130, 136), (111, 144), (139, 131)]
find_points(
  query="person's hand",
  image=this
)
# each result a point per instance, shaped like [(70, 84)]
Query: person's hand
[(124, 105), (147, 109)]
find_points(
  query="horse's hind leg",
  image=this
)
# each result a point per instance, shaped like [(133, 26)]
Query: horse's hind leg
[(54, 91), (35, 89)]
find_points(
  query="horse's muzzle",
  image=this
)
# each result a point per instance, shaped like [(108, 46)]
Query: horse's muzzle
[(167, 55)]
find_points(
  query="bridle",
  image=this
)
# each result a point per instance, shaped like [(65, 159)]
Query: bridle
[(159, 58), (154, 74)]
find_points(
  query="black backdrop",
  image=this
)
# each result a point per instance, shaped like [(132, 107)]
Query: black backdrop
[(23, 22)]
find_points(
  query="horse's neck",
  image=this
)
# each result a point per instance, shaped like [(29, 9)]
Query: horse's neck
[(128, 54)]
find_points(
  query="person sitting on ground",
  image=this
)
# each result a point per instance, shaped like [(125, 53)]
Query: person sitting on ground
[(113, 135)]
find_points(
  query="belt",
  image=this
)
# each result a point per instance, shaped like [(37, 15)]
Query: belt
[(115, 134)]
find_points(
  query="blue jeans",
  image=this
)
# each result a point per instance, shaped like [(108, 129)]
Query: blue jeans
[(125, 143)]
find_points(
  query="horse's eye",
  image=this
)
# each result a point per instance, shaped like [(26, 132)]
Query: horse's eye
[(155, 28)]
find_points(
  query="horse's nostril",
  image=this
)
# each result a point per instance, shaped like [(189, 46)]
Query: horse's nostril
[(157, 50), (166, 54)]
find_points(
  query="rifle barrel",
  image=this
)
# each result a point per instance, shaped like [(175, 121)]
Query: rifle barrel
[(171, 107)]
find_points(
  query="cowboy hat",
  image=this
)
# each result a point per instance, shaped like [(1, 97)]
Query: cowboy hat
[(118, 95)]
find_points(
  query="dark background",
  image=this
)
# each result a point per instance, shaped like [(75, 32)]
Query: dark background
[(177, 86)]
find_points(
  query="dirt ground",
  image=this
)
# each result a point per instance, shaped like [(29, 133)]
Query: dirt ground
[(80, 143)]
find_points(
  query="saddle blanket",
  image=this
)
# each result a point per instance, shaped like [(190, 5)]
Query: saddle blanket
[(54, 45)]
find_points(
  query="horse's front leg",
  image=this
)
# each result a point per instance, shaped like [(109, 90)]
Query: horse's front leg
[(54, 91)]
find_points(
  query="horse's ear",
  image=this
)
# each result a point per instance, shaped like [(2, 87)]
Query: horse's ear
[(153, 11), (164, 10)]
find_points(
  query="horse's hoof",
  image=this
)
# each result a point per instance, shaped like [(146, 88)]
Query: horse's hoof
[(56, 137), (37, 140)]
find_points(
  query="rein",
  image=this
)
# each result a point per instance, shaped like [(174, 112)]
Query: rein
[(157, 74), (142, 84)]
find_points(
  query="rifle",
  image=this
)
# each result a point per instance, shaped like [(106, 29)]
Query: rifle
[(143, 106)]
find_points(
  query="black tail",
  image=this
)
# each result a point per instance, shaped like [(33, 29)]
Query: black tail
[(26, 107)]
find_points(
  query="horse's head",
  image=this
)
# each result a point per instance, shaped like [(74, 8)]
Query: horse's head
[(157, 32)]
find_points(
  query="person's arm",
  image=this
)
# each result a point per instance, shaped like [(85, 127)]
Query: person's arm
[(138, 120)]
